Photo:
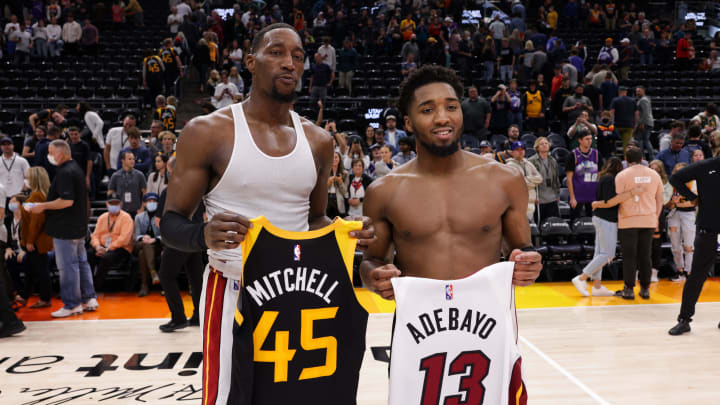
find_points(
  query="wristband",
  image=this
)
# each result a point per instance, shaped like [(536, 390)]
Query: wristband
[(528, 249)]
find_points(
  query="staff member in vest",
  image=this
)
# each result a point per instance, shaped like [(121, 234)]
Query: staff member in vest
[(637, 220), (581, 169), (66, 222), (252, 158), (533, 107), (12, 174), (706, 174), (548, 191)]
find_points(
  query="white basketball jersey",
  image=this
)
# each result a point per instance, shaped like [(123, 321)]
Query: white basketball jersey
[(455, 342)]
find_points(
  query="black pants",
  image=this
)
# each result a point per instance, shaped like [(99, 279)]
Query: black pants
[(7, 315), (116, 258), (37, 271), (577, 212), (170, 83), (546, 211), (636, 247), (332, 207), (155, 88), (172, 262), (703, 262)]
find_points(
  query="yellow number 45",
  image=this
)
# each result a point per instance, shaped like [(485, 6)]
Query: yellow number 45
[(281, 355)]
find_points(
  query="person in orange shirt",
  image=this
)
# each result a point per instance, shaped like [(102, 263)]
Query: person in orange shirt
[(552, 17), (407, 27), (112, 238), (637, 221)]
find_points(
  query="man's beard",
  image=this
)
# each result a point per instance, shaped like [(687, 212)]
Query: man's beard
[(283, 98), (441, 151)]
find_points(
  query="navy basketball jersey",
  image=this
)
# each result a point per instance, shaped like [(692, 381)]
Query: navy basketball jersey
[(455, 341), (299, 330)]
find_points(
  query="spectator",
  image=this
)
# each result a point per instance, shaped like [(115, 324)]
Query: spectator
[(532, 176), (358, 184), (558, 101), (599, 76), (174, 20), (695, 143), (548, 192), (705, 175), (517, 22), (434, 53), (128, 184), (337, 188), (515, 112), (464, 57), (676, 127), (225, 92), (90, 38), (645, 47), (147, 244), (66, 222), (407, 27), (500, 104), (213, 80), (28, 151), (557, 80), (581, 126), (135, 10), (93, 122), (410, 47), (386, 164), (80, 152), (117, 139), (173, 65), (533, 108), (608, 54), (42, 148), (11, 27), (576, 104), (71, 35), (681, 228), (201, 60), (23, 44), (476, 113), (682, 53), (608, 92), (624, 111), (348, 62), (327, 53), (637, 219), (581, 169), (167, 142), (44, 116), (118, 14), (569, 71), (9, 323), (40, 39), (375, 155), (635, 144), (15, 256), (506, 61), (707, 120), (625, 59), (539, 60), (12, 174), (489, 58), (497, 28), (392, 135), (164, 113), (606, 136), (577, 62), (408, 66), (157, 180), (356, 150), (513, 135), (322, 78), (112, 238), (406, 153), (33, 238), (605, 218), (645, 121), (153, 75), (55, 42)]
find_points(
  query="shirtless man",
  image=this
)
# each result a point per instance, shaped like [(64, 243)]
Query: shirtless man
[(283, 176), (468, 204)]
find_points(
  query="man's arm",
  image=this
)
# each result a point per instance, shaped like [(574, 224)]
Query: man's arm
[(106, 153), (516, 230), (32, 119), (683, 176), (375, 270), (57, 204), (322, 148)]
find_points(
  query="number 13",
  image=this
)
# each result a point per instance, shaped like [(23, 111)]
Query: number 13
[(470, 383)]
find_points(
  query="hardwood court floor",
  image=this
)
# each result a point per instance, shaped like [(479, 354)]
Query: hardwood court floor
[(575, 351)]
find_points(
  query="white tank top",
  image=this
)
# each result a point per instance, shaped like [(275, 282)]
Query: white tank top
[(456, 341), (256, 184)]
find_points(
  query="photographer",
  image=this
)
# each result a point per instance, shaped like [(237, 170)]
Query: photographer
[(225, 92)]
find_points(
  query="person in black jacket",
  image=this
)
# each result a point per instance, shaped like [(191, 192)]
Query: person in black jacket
[(706, 174)]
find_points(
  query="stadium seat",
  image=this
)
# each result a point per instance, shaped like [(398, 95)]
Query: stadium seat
[(7, 115), (498, 141), (66, 92), (104, 92), (85, 92), (47, 92), (27, 92), (347, 125), (8, 92), (562, 253), (528, 139), (469, 141), (560, 154), (124, 92)]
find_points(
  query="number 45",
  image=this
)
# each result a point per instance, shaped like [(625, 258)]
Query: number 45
[(282, 354)]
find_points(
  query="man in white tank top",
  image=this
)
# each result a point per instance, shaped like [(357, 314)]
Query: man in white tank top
[(258, 158), (468, 204)]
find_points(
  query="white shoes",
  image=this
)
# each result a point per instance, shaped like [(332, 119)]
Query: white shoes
[(580, 285), (91, 305), (602, 292), (654, 277), (64, 312)]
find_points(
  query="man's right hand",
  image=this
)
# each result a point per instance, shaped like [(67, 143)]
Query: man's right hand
[(379, 280), (226, 231), (573, 203)]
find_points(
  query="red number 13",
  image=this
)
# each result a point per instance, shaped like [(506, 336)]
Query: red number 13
[(471, 383)]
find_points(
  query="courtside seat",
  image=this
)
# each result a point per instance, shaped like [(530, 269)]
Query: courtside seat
[(562, 253)]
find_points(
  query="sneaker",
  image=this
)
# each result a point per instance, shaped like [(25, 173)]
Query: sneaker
[(91, 305), (678, 277), (683, 326), (580, 286), (64, 312), (40, 304), (12, 329), (155, 278), (626, 293), (644, 293), (653, 276), (602, 292)]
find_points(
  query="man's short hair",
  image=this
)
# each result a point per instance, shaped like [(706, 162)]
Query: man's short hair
[(427, 74), (73, 129), (677, 137), (156, 122), (260, 36), (62, 146), (133, 132), (678, 124), (124, 153), (61, 107), (694, 132), (54, 131), (513, 126), (405, 141), (711, 108), (160, 99), (633, 155), (131, 116)]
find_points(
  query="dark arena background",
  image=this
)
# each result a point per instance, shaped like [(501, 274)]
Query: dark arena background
[(120, 79)]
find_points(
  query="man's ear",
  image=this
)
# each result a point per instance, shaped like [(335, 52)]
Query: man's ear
[(408, 124), (250, 63)]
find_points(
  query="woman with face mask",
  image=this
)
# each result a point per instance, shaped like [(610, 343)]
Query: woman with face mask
[(147, 242), (33, 238)]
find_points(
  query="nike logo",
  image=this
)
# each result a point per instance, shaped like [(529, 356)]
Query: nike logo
[(712, 172)]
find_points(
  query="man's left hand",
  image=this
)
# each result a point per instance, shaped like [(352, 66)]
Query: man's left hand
[(38, 208), (365, 236), (527, 267)]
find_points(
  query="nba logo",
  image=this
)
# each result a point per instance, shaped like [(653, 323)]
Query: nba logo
[(296, 253), (448, 292), (236, 285)]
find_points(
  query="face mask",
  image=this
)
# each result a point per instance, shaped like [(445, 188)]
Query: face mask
[(151, 206), (52, 160), (27, 183), (13, 207), (113, 209), (605, 121)]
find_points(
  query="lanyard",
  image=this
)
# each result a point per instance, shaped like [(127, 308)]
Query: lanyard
[(11, 163), (110, 227), (15, 229)]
